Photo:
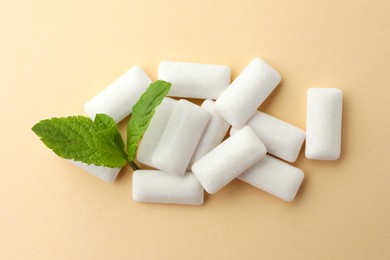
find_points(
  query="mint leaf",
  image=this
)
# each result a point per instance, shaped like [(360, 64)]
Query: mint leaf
[(103, 121), (143, 112), (81, 139)]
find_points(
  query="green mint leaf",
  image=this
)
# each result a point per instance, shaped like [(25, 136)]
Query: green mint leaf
[(103, 121), (81, 139), (143, 112)]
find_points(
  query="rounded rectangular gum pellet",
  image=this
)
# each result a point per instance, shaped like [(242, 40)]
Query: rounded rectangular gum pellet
[(180, 138), (195, 80), (246, 93), (281, 138), (118, 99), (228, 160), (275, 177), (323, 123), (154, 131), (106, 174), (159, 187), (213, 135)]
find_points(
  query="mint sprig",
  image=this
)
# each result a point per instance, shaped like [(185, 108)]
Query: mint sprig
[(99, 142)]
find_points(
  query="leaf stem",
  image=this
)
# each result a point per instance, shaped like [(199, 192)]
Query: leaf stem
[(133, 165)]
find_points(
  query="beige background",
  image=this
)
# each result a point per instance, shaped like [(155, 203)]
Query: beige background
[(56, 55)]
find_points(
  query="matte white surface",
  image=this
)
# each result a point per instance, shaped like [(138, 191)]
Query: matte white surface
[(246, 93), (154, 132), (228, 160), (159, 187), (107, 174), (275, 177), (180, 138), (118, 99), (323, 123), (214, 133), (282, 139), (194, 80)]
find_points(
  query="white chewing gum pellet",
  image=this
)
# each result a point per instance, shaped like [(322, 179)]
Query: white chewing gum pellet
[(214, 133), (118, 99), (275, 177), (323, 123), (159, 187), (246, 93), (180, 138), (154, 132), (107, 174), (280, 138), (228, 160), (194, 80)]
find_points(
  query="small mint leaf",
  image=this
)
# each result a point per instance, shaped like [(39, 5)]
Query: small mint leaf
[(143, 112), (103, 121)]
